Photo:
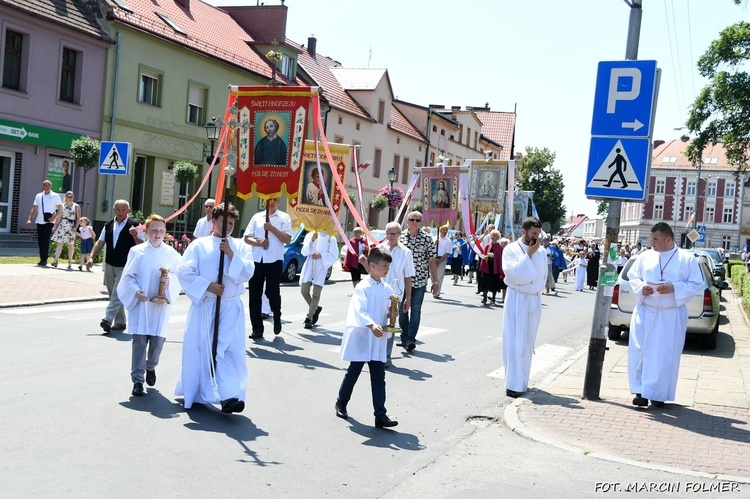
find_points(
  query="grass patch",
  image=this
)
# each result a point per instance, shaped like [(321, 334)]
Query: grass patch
[(31, 260)]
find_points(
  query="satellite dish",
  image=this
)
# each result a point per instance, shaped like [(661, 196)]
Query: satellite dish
[(546, 227)]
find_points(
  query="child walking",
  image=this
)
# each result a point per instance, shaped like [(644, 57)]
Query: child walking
[(364, 340), (87, 235)]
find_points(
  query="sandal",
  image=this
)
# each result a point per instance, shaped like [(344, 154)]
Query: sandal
[(54, 264), (70, 267)]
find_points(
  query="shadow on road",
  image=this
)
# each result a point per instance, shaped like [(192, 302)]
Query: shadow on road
[(155, 403), (540, 397), (690, 419), (278, 351), (385, 438)]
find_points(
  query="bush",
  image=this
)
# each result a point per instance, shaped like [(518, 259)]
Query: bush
[(76, 254), (379, 202), (736, 273), (745, 290)]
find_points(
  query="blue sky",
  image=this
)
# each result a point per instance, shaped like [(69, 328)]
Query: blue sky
[(537, 56)]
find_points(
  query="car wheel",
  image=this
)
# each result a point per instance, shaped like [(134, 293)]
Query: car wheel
[(290, 272), (709, 341), (614, 332)]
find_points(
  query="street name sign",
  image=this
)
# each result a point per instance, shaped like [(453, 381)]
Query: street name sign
[(114, 158)]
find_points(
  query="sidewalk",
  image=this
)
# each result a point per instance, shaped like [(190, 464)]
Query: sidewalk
[(705, 432)]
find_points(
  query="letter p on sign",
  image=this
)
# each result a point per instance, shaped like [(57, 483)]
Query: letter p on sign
[(619, 88)]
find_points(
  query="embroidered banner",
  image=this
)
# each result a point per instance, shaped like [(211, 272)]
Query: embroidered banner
[(440, 195), (488, 181), (270, 145), (521, 210), (310, 207)]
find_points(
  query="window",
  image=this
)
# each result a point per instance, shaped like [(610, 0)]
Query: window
[(405, 172), (690, 188), (711, 161), (338, 139), (669, 159), (710, 214), (660, 186), (357, 125), (355, 143), (726, 242), (728, 216), (196, 103), (340, 120), (396, 164), (729, 190), (419, 164), (376, 164), (711, 189), (287, 67), (381, 111), (13, 60), (658, 211), (688, 212), (468, 136), (148, 93), (70, 63)]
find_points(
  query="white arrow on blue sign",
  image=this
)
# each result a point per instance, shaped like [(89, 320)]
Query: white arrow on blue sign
[(625, 99), (114, 158)]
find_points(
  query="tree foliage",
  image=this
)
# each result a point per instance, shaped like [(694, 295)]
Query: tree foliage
[(602, 207), (185, 172), (536, 173), (379, 202), (85, 152), (720, 112)]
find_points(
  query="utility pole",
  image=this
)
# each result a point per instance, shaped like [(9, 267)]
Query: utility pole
[(598, 342)]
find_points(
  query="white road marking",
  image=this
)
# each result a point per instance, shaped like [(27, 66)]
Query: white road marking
[(546, 357)]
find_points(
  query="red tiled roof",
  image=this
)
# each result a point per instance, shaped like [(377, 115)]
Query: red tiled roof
[(70, 13), (499, 127), (401, 123), (676, 148), (571, 225), (208, 30)]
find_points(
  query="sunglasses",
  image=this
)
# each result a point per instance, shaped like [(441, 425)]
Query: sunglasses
[(392, 233), (415, 219), (209, 206)]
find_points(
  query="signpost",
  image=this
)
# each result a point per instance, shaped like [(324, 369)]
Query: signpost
[(114, 158)]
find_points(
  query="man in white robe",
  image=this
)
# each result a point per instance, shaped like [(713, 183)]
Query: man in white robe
[(664, 279), (321, 252), (140, 282), (400, 273), (198, 273), (204, 225), (525, 269)]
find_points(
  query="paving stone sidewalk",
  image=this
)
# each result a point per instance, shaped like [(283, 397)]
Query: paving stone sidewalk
[(706, 431)]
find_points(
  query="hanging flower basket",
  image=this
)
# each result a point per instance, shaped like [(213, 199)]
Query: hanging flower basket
[(395, 195)]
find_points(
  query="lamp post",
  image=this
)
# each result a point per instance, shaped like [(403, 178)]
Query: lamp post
[(212, 133), (391, 178)]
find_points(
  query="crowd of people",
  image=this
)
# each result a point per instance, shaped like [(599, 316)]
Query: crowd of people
[(143, 276)]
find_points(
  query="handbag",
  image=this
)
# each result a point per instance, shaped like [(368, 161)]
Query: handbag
[(45, 215)]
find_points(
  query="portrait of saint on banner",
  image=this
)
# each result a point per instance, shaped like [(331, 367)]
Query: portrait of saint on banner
[(272, 134), (312, 185), (440, 189)]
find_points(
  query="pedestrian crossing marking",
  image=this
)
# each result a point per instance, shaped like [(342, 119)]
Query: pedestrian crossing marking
[(616, 169), (546, 357)]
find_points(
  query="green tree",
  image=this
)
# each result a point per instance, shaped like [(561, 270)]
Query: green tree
[(85, 154), (720, 112), (602, 207), (536, 173)]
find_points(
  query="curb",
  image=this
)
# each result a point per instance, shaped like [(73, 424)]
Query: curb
[(514, 423), (53, 301)]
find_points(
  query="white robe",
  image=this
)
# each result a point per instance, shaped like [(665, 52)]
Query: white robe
[(526, 278), (659, 321), (142, 273), (370, 304), (199, 268), (581, 269), (203, 227), (315, 270)]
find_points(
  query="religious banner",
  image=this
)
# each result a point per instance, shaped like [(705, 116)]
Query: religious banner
[(317, 187), (440, 201), (270, 145), (488, 181), (521, 210)]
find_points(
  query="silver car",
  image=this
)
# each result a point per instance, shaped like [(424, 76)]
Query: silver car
[(703, 309)]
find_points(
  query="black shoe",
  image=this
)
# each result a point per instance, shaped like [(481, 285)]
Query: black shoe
[(411, 346), (265, 316), (640, 401), (308, 324), (256, 335), (150, 377), (513, 394), (138, 389), (276, 327), (385, 422), (232, 405), (316, 315), (401, 343), (341, 411), (657, 403), (104, 324)]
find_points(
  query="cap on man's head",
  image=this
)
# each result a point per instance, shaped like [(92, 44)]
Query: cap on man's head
[(545, 238)]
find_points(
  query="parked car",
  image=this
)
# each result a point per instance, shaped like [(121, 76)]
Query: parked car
[(293, 258), (718, 271), (718, 260), (703, 309), (379, 234)]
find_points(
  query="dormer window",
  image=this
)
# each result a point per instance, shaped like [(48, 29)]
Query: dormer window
[(171, 23)]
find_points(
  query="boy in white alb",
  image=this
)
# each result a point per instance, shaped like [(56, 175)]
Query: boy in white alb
[(364, 340), (321, 252)]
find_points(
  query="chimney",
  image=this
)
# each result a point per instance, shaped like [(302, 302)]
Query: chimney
[(185, 4), (264, 22), (657, 143), (685, 138), (311, 43)]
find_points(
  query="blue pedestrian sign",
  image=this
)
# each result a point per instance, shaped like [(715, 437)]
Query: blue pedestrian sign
[(618, 168), (625, 99), (114, 158), (701, 229)]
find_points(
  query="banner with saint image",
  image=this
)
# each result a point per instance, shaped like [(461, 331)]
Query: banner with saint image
[(310, 205), (440, 202), (270, 145), (488, 182)]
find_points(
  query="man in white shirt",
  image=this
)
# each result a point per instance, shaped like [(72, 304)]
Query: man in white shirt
[(205, 224), (444, 248), (45, 210), (268, 240)]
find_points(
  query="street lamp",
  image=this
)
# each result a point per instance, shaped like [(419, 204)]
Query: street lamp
[(392, 174), (212, 133)]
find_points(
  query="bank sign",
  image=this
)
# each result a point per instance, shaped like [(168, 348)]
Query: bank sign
[(37, 135)]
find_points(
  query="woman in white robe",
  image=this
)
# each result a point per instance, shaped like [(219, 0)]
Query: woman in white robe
[(526, 277), (198, 273), (140, 281), (581, 265), (659, 321)]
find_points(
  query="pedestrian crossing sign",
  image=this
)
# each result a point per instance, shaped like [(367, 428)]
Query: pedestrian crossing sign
[(618, 168), (114, 158)]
